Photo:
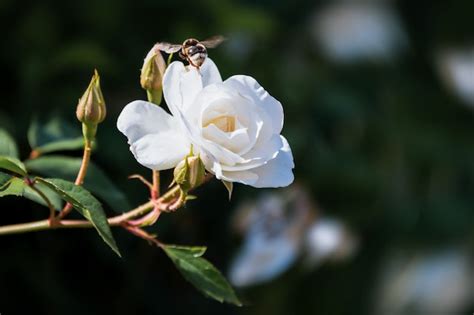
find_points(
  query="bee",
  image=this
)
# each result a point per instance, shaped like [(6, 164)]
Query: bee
[(192, 50)]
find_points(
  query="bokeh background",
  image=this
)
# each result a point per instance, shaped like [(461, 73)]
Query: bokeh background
[(378, 99)]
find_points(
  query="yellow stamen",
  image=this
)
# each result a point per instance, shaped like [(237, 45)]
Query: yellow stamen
[(224, 123)]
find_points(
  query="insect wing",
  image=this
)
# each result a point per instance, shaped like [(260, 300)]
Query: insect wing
[(168, 48), (213, 41)]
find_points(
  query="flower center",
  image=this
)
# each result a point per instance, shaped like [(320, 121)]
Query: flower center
[(225, 123)]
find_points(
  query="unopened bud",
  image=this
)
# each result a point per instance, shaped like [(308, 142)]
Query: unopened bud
[(91, 107), (151, 76), (189, 173)]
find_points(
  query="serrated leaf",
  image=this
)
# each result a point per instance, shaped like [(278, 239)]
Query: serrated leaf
[(54, 135), (13, 165), (96, 180), (8, 145), (14, 186), (201, 273), (86, 204), (52, 196)]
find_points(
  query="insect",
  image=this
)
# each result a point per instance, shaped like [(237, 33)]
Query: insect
[(192, 50)]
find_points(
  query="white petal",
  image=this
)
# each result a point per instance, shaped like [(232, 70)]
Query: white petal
[(259, 155), (243, 177), (180, 86), (249, 87), (214, 150), (209, 72), (234, 141), (154, 136), (277, 172), (160, 151)]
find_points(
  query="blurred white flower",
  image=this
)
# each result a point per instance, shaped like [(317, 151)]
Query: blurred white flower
[(354, 31), (233, 125), (456, 67), (328, 239), (278, 229), (274, 233), (439, 282)]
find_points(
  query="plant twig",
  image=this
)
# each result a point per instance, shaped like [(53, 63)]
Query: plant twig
[(81, 175), (155, 193), (163, 203), (143, 180), (70, 224)]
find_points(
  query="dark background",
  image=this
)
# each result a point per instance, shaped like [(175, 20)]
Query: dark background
[(383, 146)]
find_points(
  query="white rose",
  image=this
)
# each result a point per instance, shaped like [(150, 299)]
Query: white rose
[(233, 125)]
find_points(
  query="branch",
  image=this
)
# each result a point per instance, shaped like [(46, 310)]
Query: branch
[(42, 225), (71, 224), (163, 204)]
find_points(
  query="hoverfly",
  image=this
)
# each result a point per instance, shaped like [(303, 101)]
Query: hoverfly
[(192, 50)]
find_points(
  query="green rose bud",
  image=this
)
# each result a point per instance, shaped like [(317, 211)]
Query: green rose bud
[(91, 107), (189, 173), (151, 76)]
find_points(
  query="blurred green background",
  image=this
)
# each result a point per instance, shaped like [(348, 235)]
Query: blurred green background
[(380, 141)]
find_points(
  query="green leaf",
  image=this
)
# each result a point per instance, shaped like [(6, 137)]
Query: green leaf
[(52, 196), (201, 273), (86, 205), (96, 180), (8, 146), (4, 180), (13, 165), (54, 135), (14, 186)]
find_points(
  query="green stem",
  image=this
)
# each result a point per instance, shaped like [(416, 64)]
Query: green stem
[(85, 162), (169, 59), (81, 175)]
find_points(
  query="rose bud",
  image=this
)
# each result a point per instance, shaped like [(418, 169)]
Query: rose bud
[(189, 173), (91, 107), (151, 76)]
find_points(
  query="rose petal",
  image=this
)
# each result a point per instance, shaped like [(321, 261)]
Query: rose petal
[(243, 177), (154, 136), (234, 141), (181, 84), (259, 155), (209, 72), (249, 87), (277, 172)]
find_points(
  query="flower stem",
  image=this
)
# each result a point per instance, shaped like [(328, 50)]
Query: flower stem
[(80, 175), (85, 162), (155, 192)]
